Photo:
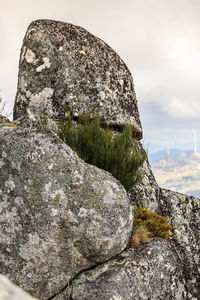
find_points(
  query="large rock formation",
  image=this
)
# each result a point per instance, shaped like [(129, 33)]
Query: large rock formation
[(58, 215), (62, 67), (64, 223)]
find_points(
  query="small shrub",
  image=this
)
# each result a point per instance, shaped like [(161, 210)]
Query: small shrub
[(98, 146), (147, 224)]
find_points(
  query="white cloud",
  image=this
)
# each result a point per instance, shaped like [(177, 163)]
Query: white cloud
[(182, 109)]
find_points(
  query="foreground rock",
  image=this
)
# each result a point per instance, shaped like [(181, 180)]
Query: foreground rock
[(63, 66), (59, 215), (151, 271), (183, 213), (9, 291)]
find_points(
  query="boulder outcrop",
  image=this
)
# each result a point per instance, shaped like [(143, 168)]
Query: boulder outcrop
[(63, 66), (65, 225), (58, 215)]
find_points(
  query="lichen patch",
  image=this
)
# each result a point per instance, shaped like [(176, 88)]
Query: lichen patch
[(30, 56), (45, 65)]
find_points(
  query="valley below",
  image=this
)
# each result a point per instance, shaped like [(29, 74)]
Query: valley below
[(178, 171)]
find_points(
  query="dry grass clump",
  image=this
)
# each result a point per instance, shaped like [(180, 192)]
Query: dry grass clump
[(141, 235)]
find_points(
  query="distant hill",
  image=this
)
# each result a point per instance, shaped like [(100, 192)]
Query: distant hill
[(175, 153), (178, 171)]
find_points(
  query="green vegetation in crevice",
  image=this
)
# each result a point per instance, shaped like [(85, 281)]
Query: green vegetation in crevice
[(148, 224), (43, 121), (99, 146)]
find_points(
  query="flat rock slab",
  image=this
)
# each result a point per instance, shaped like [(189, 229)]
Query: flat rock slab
[(58, 215), (63, 66)]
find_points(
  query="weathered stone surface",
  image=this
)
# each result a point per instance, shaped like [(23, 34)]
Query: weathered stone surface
[(183, 213), (3, 120), (64, 66), (146, 192), (151, 271), (9, 291), (58, 215)]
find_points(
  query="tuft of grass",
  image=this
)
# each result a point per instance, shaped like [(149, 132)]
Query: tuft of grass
[(98, 146), (148, 224), (140, 235)]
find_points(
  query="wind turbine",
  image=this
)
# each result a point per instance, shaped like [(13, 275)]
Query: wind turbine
[(195, 140), (168, 151)]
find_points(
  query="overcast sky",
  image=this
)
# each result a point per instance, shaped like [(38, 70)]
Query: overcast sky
[(158, 40)]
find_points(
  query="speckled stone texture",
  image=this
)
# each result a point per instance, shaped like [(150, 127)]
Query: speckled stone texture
[(9, 291), (146, 192), (151, 271), (58, 215), (63, 66), (3, 120), (183, 213)]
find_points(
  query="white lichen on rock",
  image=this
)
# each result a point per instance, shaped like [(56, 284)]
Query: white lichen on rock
[(46, 64), (30, 56)]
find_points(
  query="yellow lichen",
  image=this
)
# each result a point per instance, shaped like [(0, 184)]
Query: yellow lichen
[(80, 51)]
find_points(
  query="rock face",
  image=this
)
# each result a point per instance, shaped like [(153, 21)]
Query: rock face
[(164, 269), (150, 272), (9, 291), (63, 66), (65, 225), (183, 213), (3, 120), (146, 192), (59, 215)]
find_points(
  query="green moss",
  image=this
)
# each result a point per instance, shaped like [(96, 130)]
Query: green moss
[(97, 145)]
